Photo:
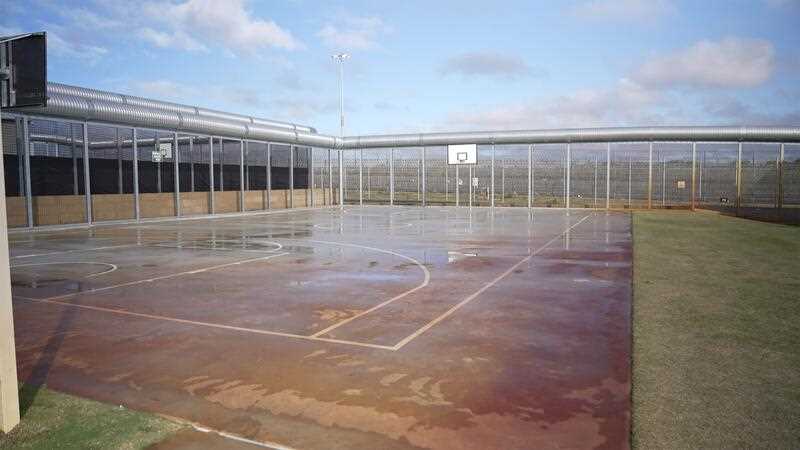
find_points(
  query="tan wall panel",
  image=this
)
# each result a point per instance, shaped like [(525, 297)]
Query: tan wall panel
[(59, 209), (157, 205), (255, 200), (194, 203), (279, 198), (226, 202), (15, 212), (112, 207)]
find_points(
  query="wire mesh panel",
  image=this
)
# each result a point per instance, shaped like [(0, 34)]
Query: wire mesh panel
[(351, 162), (549, 175), (376, 176), (511, 175), (156, 186), (408, 176), (16, 209), (791, 176), (255, 176), (588, 176), (760, 175), (672, 175), (716, 175), (321, 176), (439, 177), (111, 173), (629, 175), (194, 174), (57, 172)]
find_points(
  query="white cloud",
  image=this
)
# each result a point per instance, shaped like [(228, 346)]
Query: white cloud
[(353, 33), (178, 39), (197, 24), (731, 62), (625, 103), (624, 10), (487, 64)]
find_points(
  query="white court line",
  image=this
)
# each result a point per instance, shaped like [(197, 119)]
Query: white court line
[(203, 324), (480, 291), (425, 281), (164, 277), (98, 263), (91, 249)]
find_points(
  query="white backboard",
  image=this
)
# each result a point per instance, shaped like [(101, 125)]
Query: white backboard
[(166, 149), (462, 154)]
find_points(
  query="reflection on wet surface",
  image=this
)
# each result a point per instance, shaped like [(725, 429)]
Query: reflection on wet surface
[(370, 327)]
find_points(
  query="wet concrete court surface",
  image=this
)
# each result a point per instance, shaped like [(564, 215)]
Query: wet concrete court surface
[(368, 328)]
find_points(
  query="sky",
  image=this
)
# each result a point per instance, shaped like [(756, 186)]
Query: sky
[(422, 66)]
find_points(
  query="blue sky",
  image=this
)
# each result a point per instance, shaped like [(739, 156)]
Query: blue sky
[(431, 66)]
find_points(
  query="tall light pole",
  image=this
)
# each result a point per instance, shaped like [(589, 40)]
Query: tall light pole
[(340, 58)]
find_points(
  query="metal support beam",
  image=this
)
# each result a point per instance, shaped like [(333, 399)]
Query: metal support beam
[(9, 387), (457, 186), (330, 179), (569, 168), (630, 172), (212, 206), (424, 179), (269, 175), (27, 192), (341, 179), (176, 159), (191, 162), (361, 177), (87, 177), (694, 174), (241, 176), (311, 173), (136, 209), (650, 177), (530, 176), (291, 176), (491, 189), (391, 176), (779, 200), (739, 179), (21, 136), (470, 187), (119, 162), (221, 165), (157, 141), (608, 175), (596, 162), (75, 189)]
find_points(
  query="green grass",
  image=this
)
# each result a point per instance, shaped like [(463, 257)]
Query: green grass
[(55, 420), (716, 335)]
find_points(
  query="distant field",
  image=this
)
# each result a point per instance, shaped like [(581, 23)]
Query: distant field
[(716, 332)]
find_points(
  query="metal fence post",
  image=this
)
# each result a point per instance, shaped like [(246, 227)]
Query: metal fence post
[(330, 179), (341, 179), (391, 176), (608, 175), (75, 189), (311, 174), (424, 179), (211, 173), (191, 163), (119, 162), (470, 187), (176, 174), (87, 178), (26, 148), (291, 176), (630, 179), (457, 185), (569, 175), (268, 169), (779, 202), (739, 179), (221, 165), (241, 176), (530, 176), (361, 177), (596, 162), (136, 210), (650, 177), (491, 202), (694, 177), (156, 143)]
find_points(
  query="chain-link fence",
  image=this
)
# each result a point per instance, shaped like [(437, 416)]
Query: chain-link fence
[(135, 173)]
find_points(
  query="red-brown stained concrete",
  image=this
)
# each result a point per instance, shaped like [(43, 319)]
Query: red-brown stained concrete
[(539, 359)]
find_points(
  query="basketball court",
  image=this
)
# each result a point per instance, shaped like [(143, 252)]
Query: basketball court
[(362, 327)]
